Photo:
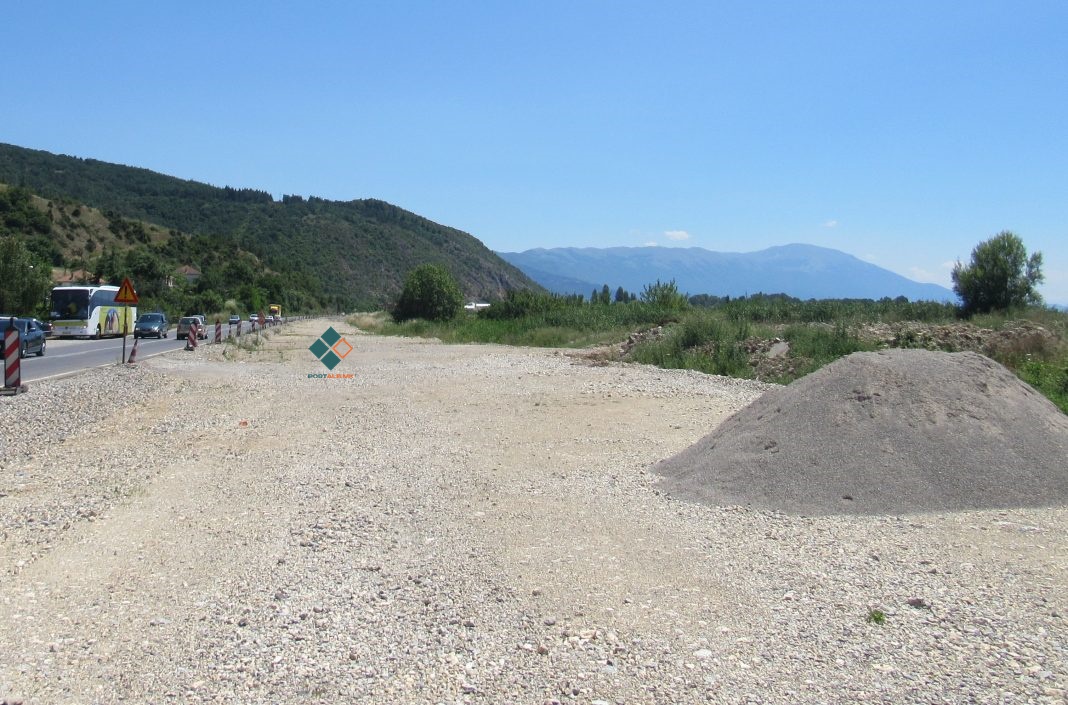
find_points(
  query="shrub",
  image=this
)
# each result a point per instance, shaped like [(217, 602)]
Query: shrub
[(1000, 276), (431, 293), (877, 617), (664, 296), (523, 303)]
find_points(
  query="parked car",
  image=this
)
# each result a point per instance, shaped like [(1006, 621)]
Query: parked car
[(151, 324), (185, 323), (235, 320), (31, 337)]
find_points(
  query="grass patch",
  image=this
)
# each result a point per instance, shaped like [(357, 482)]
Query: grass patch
[(817, 346), (876, 617), (700, 342), (1050, 378), (561, 327)]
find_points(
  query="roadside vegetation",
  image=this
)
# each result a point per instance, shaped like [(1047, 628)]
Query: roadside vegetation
[(773, 338)]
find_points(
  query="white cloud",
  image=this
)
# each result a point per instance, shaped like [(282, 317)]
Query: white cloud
[(676, 235), (831, 224)]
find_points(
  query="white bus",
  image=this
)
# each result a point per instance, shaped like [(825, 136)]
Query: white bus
[(90, 312)]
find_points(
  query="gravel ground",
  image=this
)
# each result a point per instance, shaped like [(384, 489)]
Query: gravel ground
[(472, 524)]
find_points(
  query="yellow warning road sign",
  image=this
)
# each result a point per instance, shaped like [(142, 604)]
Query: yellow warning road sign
[(126, 294)]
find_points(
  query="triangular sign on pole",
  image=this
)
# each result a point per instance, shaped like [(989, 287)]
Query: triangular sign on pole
[(126, 294)]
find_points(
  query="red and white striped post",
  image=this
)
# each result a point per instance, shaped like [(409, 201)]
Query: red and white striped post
[(191, 337), (12, 368), (133, 352), (218, 331)]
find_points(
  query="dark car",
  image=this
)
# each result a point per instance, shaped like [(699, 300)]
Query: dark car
[(235, 320), (185, 325), (151, 324), (31, 337), (46, 326)]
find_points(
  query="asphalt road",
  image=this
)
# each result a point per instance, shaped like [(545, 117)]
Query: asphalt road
[(64, 356)]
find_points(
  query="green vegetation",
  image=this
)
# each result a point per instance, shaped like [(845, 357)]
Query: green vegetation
[(734, 337), (533, 318), (779, 308), (1000, 276), (430, 293), (876, 617), (1048, 377), (309, 254), (665, 297), (24, 280)]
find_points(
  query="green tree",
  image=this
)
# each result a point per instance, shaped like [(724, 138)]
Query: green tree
[(665, 296), (430, 292), (252, 297), (108, 267), (209, 301), (24, 279), (146, 269), (1000, 276), (19, 215)]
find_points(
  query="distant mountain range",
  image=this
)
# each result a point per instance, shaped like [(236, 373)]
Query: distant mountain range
[(802, 271)]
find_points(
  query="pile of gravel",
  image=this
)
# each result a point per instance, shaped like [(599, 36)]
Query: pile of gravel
[(889, 432)]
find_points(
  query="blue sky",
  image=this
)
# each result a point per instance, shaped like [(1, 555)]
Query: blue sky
[(904, 133)]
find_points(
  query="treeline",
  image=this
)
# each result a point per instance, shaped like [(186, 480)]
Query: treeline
[(755, 308)]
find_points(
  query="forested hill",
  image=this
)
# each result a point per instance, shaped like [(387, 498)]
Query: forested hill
[(331, 253)]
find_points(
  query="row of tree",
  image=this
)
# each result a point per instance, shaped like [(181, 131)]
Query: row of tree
[(1000, 276)]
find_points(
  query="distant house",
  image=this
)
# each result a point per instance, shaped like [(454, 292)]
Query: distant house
[(476, 305), (191, 273)]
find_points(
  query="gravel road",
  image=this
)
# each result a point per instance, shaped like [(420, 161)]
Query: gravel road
[(471, 524)]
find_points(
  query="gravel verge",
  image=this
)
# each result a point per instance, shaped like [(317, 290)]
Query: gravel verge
[(473, 524)]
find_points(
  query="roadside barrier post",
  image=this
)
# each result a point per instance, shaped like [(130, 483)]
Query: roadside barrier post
[(218, 331), (133, 352), (12, 367), (191, 337)]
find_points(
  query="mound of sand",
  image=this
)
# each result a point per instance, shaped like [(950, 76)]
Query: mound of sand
[(889, 432)]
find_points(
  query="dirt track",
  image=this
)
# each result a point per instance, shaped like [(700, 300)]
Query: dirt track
[(476, 524)]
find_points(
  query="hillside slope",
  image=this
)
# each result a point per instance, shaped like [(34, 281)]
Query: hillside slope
[(354, 253)]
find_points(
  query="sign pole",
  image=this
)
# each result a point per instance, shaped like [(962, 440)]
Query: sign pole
[(126, 296)]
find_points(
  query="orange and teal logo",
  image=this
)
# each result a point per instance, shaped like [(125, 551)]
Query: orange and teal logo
[(330, 348)]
